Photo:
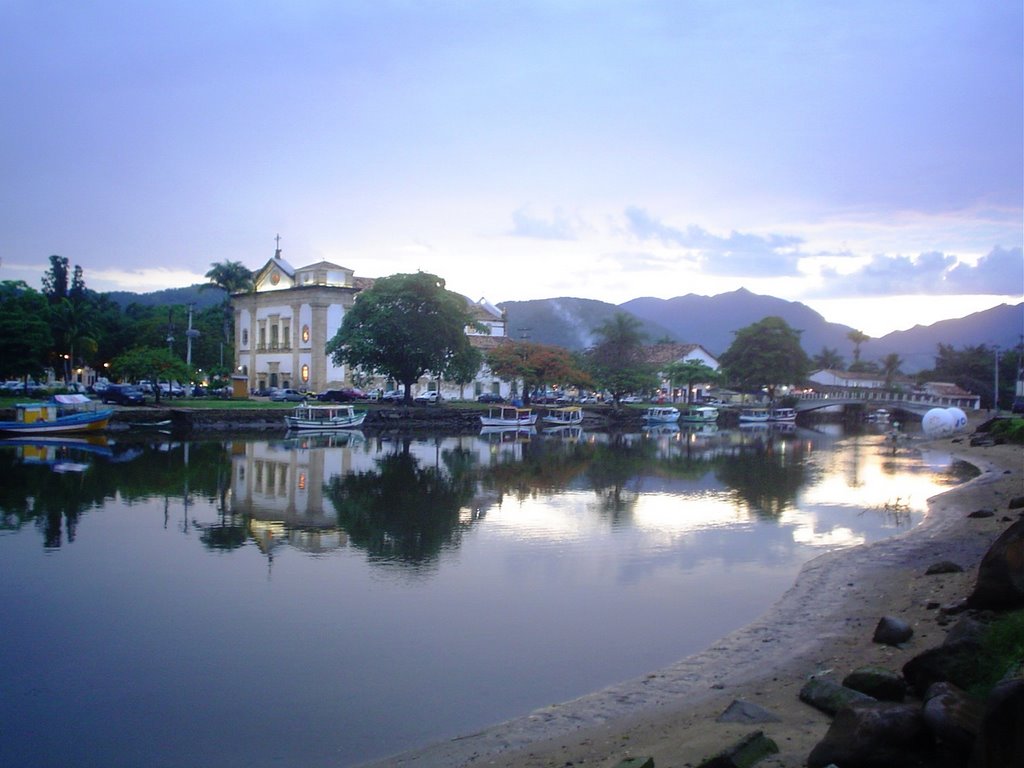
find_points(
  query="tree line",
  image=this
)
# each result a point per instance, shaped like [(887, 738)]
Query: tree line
[(407, 326)]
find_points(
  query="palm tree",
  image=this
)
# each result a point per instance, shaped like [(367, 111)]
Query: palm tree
[(858, 338), (231, 277), (73, 326), (829, 359), (891, 367)]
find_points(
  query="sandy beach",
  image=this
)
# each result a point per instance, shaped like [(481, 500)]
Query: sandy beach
[(822, 626)]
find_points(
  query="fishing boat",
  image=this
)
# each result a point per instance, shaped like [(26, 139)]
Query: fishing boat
[(509, 416), (661, 414), (65, 413), (754, 416), (699, 414), (324, 417), (567, 416), (782, 414)]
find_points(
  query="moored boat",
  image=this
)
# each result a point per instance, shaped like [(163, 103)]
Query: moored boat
[(755, 415), (324, 417), (567, 416), (509, 416), (701, 414), (661, 414), (782, 414), (65, 413)]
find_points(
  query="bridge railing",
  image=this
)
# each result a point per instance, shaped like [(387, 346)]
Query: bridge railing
[(921, 399)]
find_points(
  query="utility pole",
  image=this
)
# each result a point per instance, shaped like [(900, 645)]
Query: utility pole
[(189, 335)]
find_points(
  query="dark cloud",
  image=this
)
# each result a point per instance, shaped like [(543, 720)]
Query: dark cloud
[(557, 228), (999, 273), (738, 254)]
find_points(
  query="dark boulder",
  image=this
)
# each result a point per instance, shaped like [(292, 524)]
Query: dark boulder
[(878, 683), (945, 566), (1000, 740), (878, 735), (892, 631), (1000, 583), (953, 718), (829, 696)]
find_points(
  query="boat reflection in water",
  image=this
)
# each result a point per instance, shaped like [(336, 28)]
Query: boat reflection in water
[(469, 571)]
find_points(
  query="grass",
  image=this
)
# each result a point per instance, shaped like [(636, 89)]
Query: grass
[(1002, 651), (1011, 430)]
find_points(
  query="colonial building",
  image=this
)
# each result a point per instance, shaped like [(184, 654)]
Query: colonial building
[(666, 354), (283, 325)]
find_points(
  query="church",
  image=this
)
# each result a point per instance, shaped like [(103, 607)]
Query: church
[(283, 325)]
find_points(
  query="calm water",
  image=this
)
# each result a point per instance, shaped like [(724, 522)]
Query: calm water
[(326, 602)]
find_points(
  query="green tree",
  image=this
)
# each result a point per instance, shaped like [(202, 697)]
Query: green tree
[(891, 367), (618, 362), (403, 327), (154, 364), (25, 338), (689, 372), (766, 354), (829, 359), (231, 277), (55, 279), (538, 365), (73, 331), (858, 338)]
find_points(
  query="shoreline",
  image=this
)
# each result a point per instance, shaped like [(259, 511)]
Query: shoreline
[(822, 625)]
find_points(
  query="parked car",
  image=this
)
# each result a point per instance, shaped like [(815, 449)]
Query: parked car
[(430, 396), (393, 396), (288, 396), (341, 395), (490, 397), (632, 399), (123, 394)]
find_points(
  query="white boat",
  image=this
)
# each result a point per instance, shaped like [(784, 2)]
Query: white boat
[(782, 414), (661, 414), (754, 416), (701, 414), (323, 417), (881, 415), (509, 416), (567, 416)]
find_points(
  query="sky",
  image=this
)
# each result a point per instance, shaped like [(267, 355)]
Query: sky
[(865, 158)]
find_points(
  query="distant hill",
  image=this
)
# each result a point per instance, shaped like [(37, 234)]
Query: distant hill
[(567, 322), (712, 320), (209, 296)]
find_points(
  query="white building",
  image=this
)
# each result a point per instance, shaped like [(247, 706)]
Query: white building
[(283, 325)]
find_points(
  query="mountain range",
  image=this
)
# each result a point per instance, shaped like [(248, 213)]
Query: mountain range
[(712, 320), (709, 321)]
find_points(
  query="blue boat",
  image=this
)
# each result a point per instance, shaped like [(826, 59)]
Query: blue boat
[(65, 413)]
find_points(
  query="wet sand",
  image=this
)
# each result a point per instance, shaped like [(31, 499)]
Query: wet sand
[(822, 626)]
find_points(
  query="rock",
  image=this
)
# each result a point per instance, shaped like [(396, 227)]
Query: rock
[(878, 683), (1016, 502), (1000, 581), (746, 712), (953, 718), (1001, 736), (892, 631), (945, 566), (877, 735), (744, 753), (636, 762), (981, 513), (955, 663), (829, 696)]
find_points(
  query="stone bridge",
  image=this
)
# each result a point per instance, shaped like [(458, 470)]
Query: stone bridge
[(914, 402)]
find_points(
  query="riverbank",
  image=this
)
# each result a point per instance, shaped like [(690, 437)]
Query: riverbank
[(822, 626)]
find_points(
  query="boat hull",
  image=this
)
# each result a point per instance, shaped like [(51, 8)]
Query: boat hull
[(91, 422), (324, 418)]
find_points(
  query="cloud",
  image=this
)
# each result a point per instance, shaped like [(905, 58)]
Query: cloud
[(999, 273), (559, 227), (740, 253)]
